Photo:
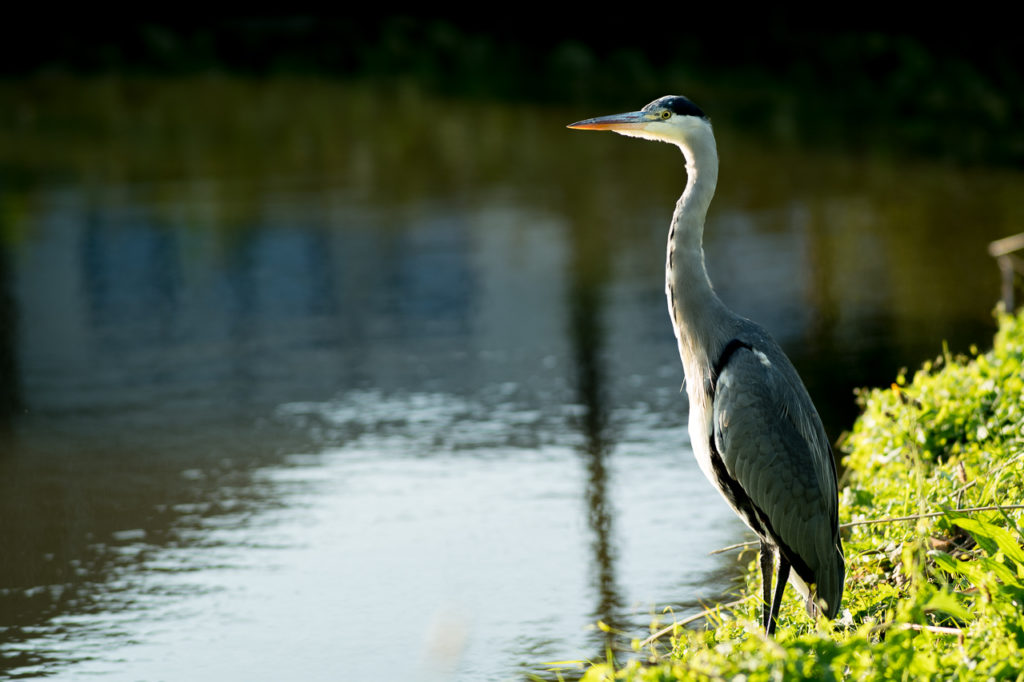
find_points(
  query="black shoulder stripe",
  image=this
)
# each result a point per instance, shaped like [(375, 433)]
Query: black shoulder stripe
[(726, 483), (723, 360), (735, 493)]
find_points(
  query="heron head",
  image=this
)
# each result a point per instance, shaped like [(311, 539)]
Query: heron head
[(673, 119)]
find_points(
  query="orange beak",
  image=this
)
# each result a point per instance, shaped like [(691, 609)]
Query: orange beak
[(632, 121)]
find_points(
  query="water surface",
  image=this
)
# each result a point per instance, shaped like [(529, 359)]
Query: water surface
[(309, 380)]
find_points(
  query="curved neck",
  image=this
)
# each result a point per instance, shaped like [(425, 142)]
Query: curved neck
[(701, 180), (698, 315)]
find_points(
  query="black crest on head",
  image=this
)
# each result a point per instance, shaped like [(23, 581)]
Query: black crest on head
[(677, 104)]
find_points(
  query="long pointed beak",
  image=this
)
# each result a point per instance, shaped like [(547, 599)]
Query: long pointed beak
[(632, 121)]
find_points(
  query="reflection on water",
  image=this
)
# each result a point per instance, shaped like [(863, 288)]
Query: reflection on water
[(312, 433), (305, 402), (588, 270)]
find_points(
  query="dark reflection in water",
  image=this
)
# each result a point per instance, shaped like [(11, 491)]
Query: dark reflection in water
[(588, 268)]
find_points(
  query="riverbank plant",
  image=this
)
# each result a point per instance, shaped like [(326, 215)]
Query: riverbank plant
[(931, 593)]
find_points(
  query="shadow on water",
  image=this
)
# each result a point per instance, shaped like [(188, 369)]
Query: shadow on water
[(588, 267)]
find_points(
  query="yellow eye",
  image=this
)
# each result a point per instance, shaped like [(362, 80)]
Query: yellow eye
[(665, 114)]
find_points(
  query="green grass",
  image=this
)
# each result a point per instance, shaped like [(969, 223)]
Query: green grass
[(938, 597)]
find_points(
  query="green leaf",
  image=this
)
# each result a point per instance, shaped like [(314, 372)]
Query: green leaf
[(951, 565), (947, 603), (999, 570), (993, 538)]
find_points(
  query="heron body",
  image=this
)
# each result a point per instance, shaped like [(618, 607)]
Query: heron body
[(753, 427)]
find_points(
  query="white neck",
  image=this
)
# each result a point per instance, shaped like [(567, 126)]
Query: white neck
[(696, 311)]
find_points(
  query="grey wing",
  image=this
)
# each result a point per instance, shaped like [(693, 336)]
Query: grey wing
[(770, 441)]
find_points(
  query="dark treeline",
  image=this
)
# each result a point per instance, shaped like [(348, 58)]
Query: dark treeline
[(952, 93)]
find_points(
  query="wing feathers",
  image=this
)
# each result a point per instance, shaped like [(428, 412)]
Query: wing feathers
[(771, 443)]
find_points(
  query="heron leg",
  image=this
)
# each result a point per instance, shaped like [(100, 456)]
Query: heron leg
[(780, 587), (767, 570)]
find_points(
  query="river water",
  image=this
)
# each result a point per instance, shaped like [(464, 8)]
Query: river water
[(308, 382)]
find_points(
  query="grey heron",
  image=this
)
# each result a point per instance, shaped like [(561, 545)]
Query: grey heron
[(753, 427)]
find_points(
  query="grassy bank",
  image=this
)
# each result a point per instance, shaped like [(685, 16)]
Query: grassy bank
[(939, 595)]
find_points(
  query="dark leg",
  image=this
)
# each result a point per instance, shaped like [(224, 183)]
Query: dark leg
[(767, 570), (779, 589)]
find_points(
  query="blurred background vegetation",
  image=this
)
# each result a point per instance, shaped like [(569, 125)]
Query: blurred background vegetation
[(948, 91)]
